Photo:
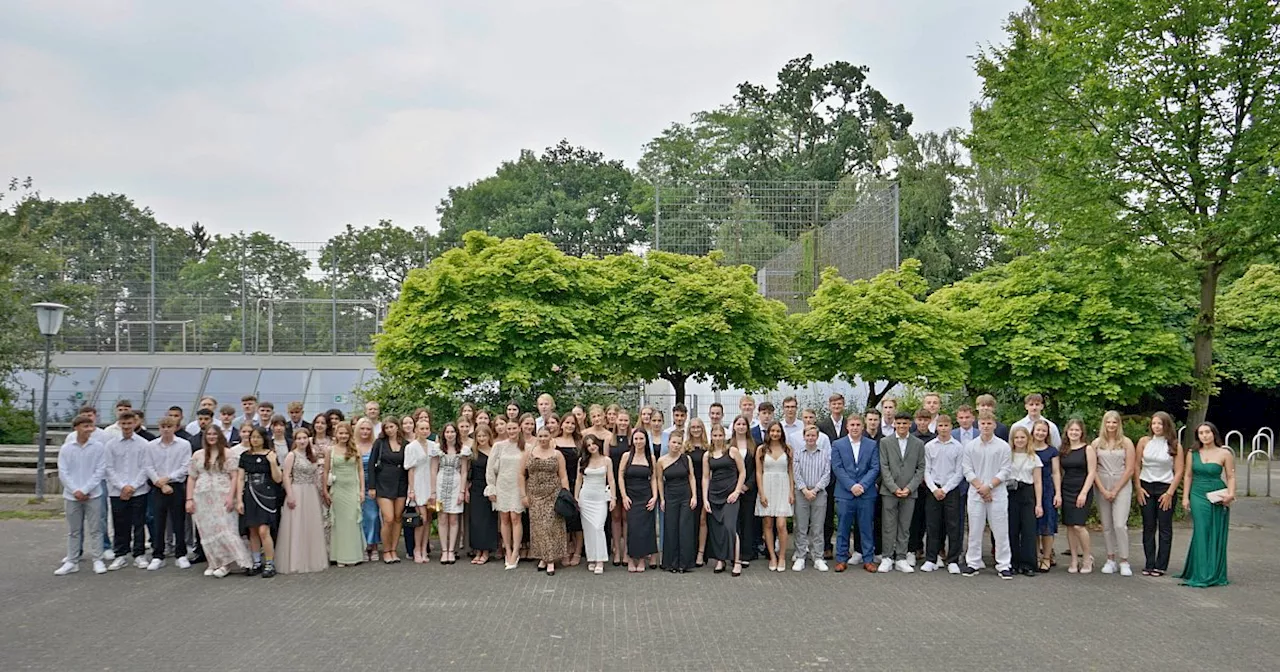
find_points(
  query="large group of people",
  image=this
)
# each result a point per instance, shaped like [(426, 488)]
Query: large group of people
[(885, 490)]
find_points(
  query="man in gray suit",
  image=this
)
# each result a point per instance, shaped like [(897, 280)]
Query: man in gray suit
[(901, 471)]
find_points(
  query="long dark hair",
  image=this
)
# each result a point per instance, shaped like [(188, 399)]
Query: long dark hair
[(1217, 436), (219, 445), (444, 442), (763, 448), (585, 457), (268, 440), (311, 453), (632, 441), (1170, 432)]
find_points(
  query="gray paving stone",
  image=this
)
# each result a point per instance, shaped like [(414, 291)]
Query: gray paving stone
[(408, 617)]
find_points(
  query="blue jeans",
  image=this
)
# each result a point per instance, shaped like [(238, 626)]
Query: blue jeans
[(862, 511)]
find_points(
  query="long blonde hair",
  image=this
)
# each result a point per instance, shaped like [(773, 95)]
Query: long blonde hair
[(1102, 442), (1029, 450), (349, 449)]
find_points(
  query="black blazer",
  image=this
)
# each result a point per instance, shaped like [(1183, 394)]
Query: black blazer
[(288, 431), (826, 426)]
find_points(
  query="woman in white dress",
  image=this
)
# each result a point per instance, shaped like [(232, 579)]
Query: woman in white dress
[(502, 487), (595, 500), (449, 475), (417, 459), (777, 492)]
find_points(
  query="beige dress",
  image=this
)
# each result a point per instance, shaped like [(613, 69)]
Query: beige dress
[(301, 545), (502, 479)]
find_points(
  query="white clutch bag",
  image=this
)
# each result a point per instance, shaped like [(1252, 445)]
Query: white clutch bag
[(1217, 496)]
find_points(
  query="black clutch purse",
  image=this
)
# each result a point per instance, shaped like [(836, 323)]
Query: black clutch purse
[(566, 507)]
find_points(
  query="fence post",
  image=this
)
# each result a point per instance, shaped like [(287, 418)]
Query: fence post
[(244, 316), (897, 228), (334, 336), (151, 304), (657, 215)]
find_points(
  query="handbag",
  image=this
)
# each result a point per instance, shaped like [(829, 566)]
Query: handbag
[(566, 507), (411, 517)]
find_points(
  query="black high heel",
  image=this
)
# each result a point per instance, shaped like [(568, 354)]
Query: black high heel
[(737, 571)]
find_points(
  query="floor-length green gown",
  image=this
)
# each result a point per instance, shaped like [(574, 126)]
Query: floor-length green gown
[(1207, 557), (346, 541)]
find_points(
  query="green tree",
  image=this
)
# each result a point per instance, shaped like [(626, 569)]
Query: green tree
[(677, 317), (572, 196), (881, 331), (1148, 121), (1086, 329), (374, 261), (511, 311), (1248, 347)]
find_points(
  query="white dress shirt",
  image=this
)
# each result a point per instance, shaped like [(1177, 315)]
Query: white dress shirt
[(81, 466), (127, 465), (168, 460), (794, 433), (942, 464), (986, 462), (1055, 439), (98, 435)]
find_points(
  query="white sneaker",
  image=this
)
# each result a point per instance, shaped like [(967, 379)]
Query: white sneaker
[(856, 559), (182, 562), (911, 559), (108, 555), (208, 572), (928, 566), (66, 568), (820, 565), (798, 565), (219, 572), (904, 567), (118, 563), (1109, 567), (156, 563), (99, 567), (140, 562), (953, 568), (886, 566), (1126, 569)]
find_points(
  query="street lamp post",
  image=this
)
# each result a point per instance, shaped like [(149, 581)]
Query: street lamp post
[(49, 317)]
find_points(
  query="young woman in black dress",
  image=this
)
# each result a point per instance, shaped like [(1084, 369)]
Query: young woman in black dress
[(1079, 465), (259, 499), (390, 483), (676, 488), (640, 499), (722, 486), (567, 437), (696, 447), (483, 522), (748, 524)]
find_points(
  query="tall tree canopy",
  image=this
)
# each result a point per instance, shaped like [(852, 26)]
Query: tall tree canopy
[(572, 196), (1249, 319), (1150, 121), (677, 317), (1084, 328), (374, 261), (882, 331)]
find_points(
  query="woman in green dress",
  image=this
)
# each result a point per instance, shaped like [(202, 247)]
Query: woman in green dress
[(1209, 464), (344, 474)]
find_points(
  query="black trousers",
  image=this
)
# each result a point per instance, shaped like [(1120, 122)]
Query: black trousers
[(749, 527), (944, 522), (171, 510), (679, 533), (915, 537), (129, 525), (1156, 524), (1022, 527)]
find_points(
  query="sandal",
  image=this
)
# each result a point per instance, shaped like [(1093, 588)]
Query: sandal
[(1157, 572), (1087, 568), (1074, 567), (1045, 564)]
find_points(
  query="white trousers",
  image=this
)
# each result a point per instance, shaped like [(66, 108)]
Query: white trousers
[(996, 514)]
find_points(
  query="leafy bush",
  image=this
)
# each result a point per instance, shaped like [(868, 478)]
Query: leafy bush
[(17, 425)]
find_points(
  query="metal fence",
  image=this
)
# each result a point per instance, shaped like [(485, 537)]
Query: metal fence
[(788, 230), (248, 296)]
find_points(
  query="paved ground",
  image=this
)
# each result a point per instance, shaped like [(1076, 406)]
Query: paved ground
[(411, 617)]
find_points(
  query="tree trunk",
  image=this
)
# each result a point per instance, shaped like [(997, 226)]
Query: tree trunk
[(873, 397), (677, 381), (1202, 349)]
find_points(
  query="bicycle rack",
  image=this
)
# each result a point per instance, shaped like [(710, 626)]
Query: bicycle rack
[(1248, 471), (1226, 440)]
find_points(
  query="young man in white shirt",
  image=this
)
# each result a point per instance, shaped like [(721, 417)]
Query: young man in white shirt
[(809, 418), (747, 407), (209, 403), (546, 406), (943, 474), (373, 411), (227, 424), (1034, 404), (168, 458), (987, 461), (122, 406), (249, 404), (932, 402), (127, 487), (792, 426), (679, 415), (101, 436), (715, 414), (81, 469), (266, 413)]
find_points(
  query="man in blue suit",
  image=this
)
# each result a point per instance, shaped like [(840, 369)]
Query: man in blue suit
[(855, 464)]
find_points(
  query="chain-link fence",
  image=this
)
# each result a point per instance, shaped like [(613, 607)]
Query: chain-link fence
[(788, 230), (246, 293)]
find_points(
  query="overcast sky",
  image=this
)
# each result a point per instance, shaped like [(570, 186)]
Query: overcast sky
[(298, 117)]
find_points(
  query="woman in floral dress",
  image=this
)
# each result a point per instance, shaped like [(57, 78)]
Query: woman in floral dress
[(211, 502)]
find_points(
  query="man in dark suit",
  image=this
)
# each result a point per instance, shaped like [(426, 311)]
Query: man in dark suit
[(834, 429), (766, 411), (855, 465), (901, 472), (296, 421)]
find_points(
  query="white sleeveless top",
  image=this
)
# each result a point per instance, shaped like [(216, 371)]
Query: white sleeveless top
[(1157, 463)]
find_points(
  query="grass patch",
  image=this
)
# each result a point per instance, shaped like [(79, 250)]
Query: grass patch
[(30, 515)]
